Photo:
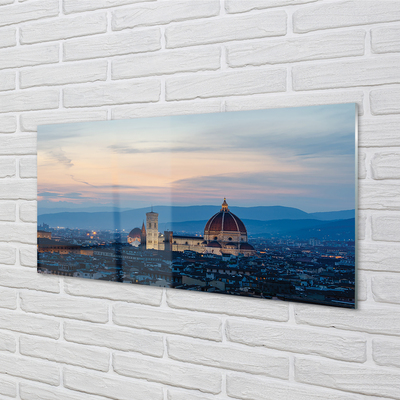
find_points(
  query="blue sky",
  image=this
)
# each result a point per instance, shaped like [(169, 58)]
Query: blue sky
[(298, 157)]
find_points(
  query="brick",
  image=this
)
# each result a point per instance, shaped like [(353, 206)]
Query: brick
[(168, 62), (28, 211), (344, 13), (25, 56), (283, 100), (378, 196), (8, 37), (385, 101), (237, 6), (8, 387), (379, 256), (379, 131), (386, 352), (66, 353), (386, 165), (264, 24), (181, 394), (168, 372), (249, 387), (7, 167), (166, 109), (187, 324), (114, 291), (348, 377), (7, 211), (110, 385), (222, 304), (7, 255), (28, 391), (162, 13), (229, 357), (66, 307), (30, 324), (28, 168), (298, 340), (22, 278), (367, 318), (10, 146), (116, 44), (296, 49), (63, 74), (28, 256), (385, 39), (26, 100), (71, 6), (375, 71), (385, 288), (63, 28), (386, 227), (362, 220), (31, 120), (18, 189), (7, 80), (362, 168), (30, 10), (361, 285), (114, 338), (24, 367), (8, 298), (17, 232), (114, 93), (233, 83), (7, 342), (8, 124)]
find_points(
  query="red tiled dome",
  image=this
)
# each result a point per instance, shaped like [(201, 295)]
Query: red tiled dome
[(135, 233), (224, 221)]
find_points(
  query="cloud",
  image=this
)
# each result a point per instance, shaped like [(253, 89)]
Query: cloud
[(61, 157), (72, 195), (49, 194), (123, 149), (80, 181)]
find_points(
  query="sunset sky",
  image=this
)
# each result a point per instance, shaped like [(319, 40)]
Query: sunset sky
[(297, 157)]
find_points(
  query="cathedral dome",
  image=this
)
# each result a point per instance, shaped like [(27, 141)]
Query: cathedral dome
[(135, 235), (224, 221)]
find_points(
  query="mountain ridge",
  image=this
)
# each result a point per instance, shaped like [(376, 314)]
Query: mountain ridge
[(134, 218)]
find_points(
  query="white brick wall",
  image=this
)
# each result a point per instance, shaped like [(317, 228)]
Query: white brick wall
[(85, 60)]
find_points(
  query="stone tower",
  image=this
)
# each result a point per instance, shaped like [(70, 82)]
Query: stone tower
[(152, 230)]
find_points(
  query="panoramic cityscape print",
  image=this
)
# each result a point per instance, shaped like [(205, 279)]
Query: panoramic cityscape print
[(250, 203)]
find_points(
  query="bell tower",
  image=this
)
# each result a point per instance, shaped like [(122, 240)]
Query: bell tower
[(152, 230)]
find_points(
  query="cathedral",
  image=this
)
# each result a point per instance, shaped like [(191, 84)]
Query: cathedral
[(224, 234)]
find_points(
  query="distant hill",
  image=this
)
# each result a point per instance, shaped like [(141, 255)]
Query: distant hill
[(301, 229), (331, 215), (334, 230), (167, 214), (42, 211), (193, 218)]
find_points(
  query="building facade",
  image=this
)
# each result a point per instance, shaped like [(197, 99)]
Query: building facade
[(224, 233)]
